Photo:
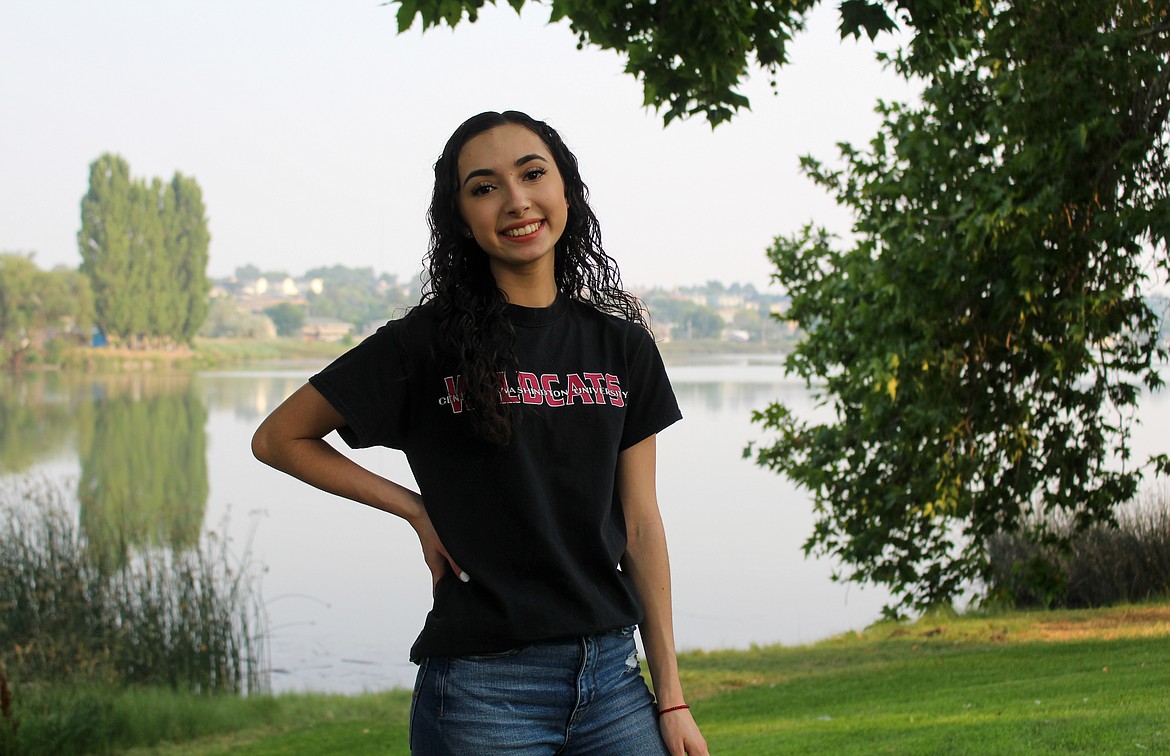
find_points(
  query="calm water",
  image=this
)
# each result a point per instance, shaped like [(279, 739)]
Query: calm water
[(166, 456)]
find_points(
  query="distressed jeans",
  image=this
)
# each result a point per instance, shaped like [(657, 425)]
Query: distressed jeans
[(573, 696)]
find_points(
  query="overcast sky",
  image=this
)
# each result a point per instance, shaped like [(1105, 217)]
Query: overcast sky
[(312, 128)]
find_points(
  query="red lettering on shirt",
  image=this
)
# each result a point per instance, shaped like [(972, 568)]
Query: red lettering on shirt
[(454, 393), (589, 388), (577, 389), (551, 398), (595, 382), (530, 391), (614, 387), (507, 393)]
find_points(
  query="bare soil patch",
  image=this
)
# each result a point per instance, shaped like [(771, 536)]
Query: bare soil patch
[(1135, 622)]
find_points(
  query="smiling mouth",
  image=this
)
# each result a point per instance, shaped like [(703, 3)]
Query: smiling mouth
[(531, 228)]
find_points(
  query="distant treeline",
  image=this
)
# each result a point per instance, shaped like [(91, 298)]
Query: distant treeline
[(365, 299), (40, 311)]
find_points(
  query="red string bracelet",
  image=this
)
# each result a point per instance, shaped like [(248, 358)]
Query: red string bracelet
[(672, 708)]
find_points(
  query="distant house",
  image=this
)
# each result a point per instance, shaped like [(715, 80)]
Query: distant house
[(262, 288), (258, 287), (326, 329)]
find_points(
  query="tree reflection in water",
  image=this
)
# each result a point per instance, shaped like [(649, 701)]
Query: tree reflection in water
[(37, 420), (144, 475)]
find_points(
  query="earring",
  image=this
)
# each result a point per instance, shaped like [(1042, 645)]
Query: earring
[(467, 233)]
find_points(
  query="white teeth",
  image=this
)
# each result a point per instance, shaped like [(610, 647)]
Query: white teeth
[(524, 230)]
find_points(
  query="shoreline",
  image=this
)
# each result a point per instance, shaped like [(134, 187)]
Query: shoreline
[(217, 353)]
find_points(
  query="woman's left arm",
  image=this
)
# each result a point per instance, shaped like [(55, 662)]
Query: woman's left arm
[(646, 563)]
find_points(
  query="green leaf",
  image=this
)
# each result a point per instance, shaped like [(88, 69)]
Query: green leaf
[(407, 10), (857, 15)]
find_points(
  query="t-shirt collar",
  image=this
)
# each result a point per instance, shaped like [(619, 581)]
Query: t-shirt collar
[(537, 316)]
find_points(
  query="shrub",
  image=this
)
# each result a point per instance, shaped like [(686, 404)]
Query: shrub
[(1105, 565)]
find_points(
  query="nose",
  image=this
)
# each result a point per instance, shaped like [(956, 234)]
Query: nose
[(518, 202)]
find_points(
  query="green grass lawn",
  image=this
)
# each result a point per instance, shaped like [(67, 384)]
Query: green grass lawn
[(1061, 681), (1089, 681)]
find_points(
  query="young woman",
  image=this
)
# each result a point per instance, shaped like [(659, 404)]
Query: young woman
[(526, 393)]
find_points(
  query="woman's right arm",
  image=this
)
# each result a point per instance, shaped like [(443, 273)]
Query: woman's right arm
[(292, 439)]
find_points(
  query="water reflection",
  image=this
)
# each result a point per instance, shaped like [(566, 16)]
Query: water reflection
[(144, 475), (249, 396), (739, 391), (346, 586), (37, 421)]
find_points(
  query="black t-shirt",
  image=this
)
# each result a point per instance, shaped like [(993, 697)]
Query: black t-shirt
[(538, 523)]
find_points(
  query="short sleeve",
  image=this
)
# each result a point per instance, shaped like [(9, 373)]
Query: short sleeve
[(368, 386), (650, 402)]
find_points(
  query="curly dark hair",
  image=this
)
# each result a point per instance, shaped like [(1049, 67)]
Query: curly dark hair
[(471, 307)]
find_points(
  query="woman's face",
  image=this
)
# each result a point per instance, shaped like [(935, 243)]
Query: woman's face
[(512, 198)]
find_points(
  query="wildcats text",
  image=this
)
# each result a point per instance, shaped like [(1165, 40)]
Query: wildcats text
[(549, 389)]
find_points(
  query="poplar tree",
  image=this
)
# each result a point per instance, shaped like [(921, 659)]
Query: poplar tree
[(105, 241), (145, 248), (188, 241), (148, 265)]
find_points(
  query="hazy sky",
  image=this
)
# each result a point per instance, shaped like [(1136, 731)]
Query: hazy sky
[(312, 128)]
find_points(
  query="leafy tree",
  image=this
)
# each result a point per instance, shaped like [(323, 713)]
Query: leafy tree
[(226, 319), (341, 275), (148, 277), (248, 272), (37, 306), (356, 295), (144, 248), (65, 307), (701, 322), (287, 317), (717, 38), (751, 321), (188, 240), (691, 56), (104, 242), (687, 320), (983, 340)]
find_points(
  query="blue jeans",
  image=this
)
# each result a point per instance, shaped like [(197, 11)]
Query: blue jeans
[(573, 696)]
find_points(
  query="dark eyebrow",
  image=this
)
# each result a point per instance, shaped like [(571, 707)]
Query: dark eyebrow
[(519, 162)]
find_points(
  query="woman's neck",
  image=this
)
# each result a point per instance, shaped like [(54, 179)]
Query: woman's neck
[(534, 291)]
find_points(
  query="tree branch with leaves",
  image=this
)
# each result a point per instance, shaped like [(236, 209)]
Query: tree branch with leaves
[(983, 338)]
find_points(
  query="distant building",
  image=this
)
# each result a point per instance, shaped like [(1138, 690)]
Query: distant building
[(326, 329)]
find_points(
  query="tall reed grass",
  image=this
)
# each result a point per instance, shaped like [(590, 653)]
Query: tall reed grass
[(191, 620), (1102, 566)]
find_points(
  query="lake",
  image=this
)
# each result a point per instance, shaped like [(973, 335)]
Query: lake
[(167, 456)]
